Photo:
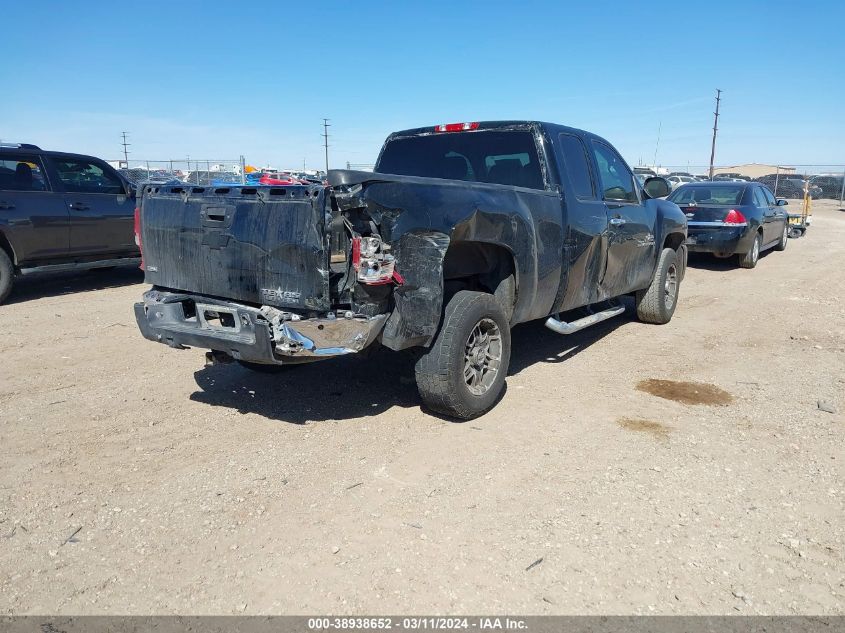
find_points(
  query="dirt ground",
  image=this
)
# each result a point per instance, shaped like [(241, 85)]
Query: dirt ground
[(135, 480)]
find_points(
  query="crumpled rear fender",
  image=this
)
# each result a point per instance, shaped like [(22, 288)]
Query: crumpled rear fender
[(421, 217), (418, 302)]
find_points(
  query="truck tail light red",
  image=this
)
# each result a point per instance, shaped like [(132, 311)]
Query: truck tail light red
[(138, 234), (372, 264)]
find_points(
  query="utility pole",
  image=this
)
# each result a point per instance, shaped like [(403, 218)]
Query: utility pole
[(125, 151), (715, 128), (325, 135)]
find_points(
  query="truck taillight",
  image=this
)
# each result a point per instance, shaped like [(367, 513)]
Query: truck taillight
[(138, 234), (456, 127), (735, 217), (373, 265)]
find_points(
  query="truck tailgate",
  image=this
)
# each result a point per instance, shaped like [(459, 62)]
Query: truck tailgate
[(261, 245)]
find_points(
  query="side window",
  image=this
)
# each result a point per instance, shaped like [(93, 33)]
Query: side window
[(760, 198), (21, 172), (617, 182), (769, 197), (80, 176), (576, 165)]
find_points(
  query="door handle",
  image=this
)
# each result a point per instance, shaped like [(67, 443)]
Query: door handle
[(5, 205), (78, 206), (617, 221)]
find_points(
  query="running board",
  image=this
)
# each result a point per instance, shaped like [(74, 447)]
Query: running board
[(562, 327), (102, 263)]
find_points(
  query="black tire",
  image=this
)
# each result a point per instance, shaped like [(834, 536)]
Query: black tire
[(750, 259), (7, 275), (262, 368), (656, 304), (784, 238), (796, 232), (459, 376), (683, 257)]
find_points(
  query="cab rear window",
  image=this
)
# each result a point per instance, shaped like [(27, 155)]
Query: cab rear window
[(498, 157)]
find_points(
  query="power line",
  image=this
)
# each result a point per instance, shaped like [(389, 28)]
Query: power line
[(325, 135), (125, 151), (715, 128)]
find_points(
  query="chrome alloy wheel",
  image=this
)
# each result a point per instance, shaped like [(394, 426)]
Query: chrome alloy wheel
[(482, 356)]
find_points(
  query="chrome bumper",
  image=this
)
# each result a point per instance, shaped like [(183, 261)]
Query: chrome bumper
[(265, 334)]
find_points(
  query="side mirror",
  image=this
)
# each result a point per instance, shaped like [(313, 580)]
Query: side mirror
[(656, 187), (781, 202)]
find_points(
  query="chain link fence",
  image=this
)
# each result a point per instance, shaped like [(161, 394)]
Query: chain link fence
[(197, 172), (786, 180), (360, 166)]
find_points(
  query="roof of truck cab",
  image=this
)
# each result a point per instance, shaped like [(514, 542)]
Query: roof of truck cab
[(492, 125)]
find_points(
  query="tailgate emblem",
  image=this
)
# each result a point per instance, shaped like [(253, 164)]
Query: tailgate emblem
[(278, 295)]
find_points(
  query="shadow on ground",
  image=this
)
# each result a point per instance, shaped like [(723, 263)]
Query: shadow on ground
[(40, 285), (354, 387), (707, 261), (334, 389)]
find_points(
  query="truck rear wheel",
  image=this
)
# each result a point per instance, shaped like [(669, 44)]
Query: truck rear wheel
[(7, 275), (656, 304), (463, 373)]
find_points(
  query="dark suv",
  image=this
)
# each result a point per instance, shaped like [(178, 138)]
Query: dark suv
[(61, 212)]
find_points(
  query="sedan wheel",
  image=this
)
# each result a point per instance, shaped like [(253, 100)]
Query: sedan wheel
[(750, 259), (784, 238)]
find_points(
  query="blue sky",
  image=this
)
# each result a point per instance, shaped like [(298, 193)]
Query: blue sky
[(216, 80)]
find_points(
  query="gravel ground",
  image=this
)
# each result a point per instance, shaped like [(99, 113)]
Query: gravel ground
[(135, 480)]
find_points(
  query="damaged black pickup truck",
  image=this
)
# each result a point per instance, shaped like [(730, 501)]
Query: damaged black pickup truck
[(462, 231)]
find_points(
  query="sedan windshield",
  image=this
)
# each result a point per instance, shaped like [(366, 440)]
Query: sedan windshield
[(708, 195)]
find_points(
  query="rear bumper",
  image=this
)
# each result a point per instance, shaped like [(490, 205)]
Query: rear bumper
[(261, 335), (716, 237)]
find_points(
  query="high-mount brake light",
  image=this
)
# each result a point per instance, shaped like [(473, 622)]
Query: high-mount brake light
[(456, 127), (735, 217)]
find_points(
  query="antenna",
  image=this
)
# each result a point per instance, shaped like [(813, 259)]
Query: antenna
[(125, 151), (325, 135), (715, 128)]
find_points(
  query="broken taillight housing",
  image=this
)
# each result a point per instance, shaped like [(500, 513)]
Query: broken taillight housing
[(456, 127), (372, 263), (735, 217), (137, 227)]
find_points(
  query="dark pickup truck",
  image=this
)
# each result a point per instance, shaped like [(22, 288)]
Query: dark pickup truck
[(462, 231), (61, 211)]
